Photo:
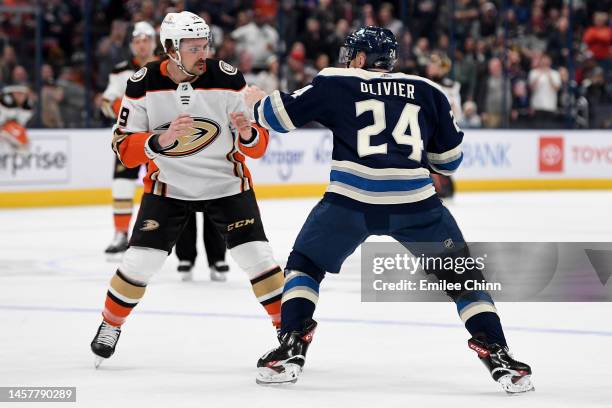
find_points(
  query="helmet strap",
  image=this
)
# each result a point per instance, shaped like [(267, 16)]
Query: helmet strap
[(178, 60)]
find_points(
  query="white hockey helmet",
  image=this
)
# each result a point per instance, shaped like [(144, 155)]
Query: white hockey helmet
[(179, 26), (142, 28)]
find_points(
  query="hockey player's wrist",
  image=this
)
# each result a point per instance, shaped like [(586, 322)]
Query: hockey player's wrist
[(252, 140), (153, 147)]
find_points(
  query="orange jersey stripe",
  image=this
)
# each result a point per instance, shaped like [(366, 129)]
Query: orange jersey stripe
[(147, 180)]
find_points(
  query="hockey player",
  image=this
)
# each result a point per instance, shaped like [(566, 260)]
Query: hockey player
[(15, 111), (214, 245), (438, 67), (390, 131), (186, 119), (124, 179)]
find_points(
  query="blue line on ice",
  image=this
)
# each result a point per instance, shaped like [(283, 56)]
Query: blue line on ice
[(332, 319)]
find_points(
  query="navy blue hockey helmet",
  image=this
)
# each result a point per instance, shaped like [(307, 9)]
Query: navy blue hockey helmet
[(379, 45)]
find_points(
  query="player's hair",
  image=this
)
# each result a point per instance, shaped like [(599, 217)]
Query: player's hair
[(169, 46)]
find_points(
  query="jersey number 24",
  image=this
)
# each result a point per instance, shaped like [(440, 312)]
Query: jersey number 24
[(408, 118)]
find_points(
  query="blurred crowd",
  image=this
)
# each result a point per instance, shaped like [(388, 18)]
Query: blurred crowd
[(510, 63)]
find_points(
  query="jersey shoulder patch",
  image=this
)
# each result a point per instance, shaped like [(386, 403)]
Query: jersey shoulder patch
[(227, 68), (8, 101), (220, 75), (139, 75), (148, 78)]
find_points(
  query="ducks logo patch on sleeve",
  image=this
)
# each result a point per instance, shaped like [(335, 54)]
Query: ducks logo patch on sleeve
[(138, 75)]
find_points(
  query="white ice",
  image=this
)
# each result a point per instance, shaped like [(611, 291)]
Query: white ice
[(196, 344)]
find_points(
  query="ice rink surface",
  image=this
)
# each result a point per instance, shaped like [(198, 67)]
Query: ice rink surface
[(196, 344)]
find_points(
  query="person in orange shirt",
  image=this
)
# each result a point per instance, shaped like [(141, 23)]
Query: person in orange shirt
[(598, 38)]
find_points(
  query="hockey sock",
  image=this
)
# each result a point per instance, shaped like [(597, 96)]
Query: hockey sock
[(268, 288), (300, 296), (478, 313), (486, 324), (122, 214), (122, 296), (123, 202)]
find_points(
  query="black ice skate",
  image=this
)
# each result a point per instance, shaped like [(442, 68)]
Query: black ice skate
[(284, 364), (104, 343), (218, 271), (185, 269), (514, 376), (117, 247)]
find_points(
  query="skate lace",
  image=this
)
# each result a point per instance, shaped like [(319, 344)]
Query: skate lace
[(108, 335)]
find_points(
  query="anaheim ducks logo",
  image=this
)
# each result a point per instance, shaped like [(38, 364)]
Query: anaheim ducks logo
[(201, 134), (149, 225)]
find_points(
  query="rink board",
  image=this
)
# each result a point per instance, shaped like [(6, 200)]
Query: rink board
[(74, 166)]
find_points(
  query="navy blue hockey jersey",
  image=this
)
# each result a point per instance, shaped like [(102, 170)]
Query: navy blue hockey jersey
[(390, 130)]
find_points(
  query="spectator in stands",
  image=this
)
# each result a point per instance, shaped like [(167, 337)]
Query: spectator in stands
[(259, 38), (521, 113), (387, 20), (464, 69), (8, 61), (422, 53), (598, 39), (599, 96), (294, 76), (336, 38), (544, 83), (466, 13), (487, 23), (407, 61), (470, 119), (246, 67), (215, 31), (227, 51), (497, 97), (112, 50), (72, 101), (558, 42), (314, 40), (19, 76), (326, 13), (367, 17), (51, 95), (268, 80)]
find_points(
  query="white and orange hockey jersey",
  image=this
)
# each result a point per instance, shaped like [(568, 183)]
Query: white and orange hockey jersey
[(14, 114), (208, 161), (117, 82)]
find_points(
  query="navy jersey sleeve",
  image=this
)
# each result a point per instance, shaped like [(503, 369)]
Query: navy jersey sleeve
[(283, 112), (444, 148)]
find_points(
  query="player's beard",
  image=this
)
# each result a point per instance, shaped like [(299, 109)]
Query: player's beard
[(198, 67)]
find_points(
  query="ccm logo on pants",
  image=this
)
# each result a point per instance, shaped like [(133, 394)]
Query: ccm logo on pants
[(240, 223)]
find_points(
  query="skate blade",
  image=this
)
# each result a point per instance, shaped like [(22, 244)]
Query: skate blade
[(186, 276), (522, 386), (114, 258), (268, 376), (218, 276), (97, 361)]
